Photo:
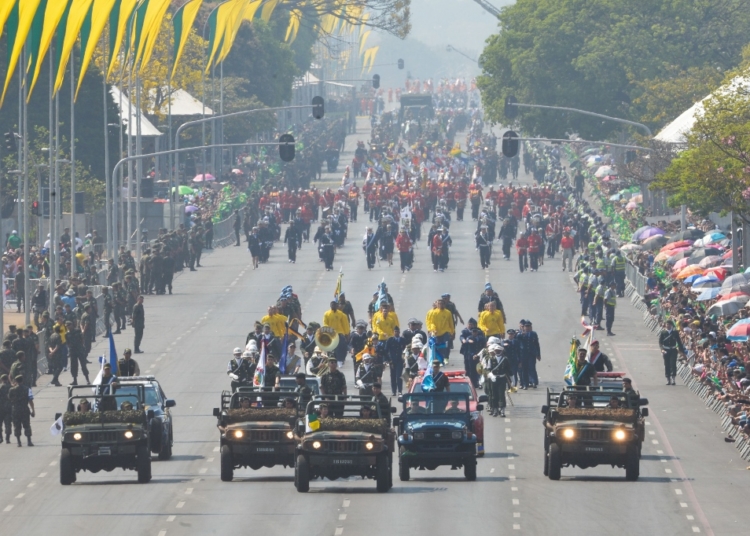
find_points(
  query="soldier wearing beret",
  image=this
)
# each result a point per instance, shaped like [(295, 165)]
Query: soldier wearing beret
[(22, 409)]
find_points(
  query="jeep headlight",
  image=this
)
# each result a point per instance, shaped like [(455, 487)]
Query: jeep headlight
[(369, 445), (238, 434), (316, 444), (457, 434), (619, 435), (418, 435), (77, 436), (568, 433), (128, 434), (290, 434)]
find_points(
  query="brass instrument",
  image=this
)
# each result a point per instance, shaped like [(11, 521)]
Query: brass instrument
[(323, 367), (327, 339)]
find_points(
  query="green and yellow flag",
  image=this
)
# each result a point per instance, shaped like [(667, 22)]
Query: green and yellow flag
[(182, 22), (217, 23), (100, 13), (231, 29), (5, 8), (119, 22), (19, 20), (77, 13), (151, 27)]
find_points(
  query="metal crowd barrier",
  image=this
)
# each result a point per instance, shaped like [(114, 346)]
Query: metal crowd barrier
[(224, 233)]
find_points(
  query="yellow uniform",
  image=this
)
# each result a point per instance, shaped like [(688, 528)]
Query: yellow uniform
[(440, 321), (383, 325), (336, 320), (277, 323), (492, 323), (63, 332)]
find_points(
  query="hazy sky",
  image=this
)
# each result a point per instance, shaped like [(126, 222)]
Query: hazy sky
[(461, 23)]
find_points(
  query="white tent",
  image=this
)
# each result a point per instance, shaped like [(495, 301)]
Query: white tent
[(184, 104), (677, 130), (121, 101)]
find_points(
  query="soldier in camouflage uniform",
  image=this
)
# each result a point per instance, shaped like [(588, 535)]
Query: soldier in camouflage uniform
[(145, 270), (32, 358), (22, 409), (77, 352), (88, 328), (332, 383), (5, 408), (108, 306), (120, 301)]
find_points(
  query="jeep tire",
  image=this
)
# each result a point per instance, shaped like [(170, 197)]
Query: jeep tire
[(165, 452), (67, 472), (554, 461), (470, 469), (302, 474), (227, 464), (383, 470), (632, 464), (143, 464)]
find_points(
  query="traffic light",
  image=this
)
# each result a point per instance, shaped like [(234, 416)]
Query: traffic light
[(35, 208), (10, 142), (400, 63), (510, 111), (286, 147), (376, 81), (510, 144), (318, 105)]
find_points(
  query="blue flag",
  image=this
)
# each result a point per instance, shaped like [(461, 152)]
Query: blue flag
[(428, 382), (284, 349), (382, 296), (113, 362)]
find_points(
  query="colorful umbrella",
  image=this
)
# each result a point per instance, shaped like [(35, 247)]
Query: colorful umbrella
[(707, 281), (648, 232), (740, 331), (718, 272), (711, 260), (684, 263), (655, 242), (690, 270), (206, 176), (690, 234), (708, 293), (690, 280), (184, 190), (190, 209), (712, 237), (603, 171), (631, 247), (737, 279), (238, 172), (734, 295), (675, 245), (725, 308)]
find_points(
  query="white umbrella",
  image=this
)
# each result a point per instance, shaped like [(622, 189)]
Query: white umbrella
[(725, 308), (603, 171)]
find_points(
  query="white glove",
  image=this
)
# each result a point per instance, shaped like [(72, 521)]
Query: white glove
[(234, 377), (492, 377), (359, 384)]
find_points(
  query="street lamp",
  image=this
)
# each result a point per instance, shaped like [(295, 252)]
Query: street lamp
[(451, 48)]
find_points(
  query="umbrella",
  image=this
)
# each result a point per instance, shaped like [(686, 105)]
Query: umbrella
[(682, 253), (739, 298), (690, 270), (734, 295), (190, 209), (631, 206), (184, 190), (711, 260), (690, 234), (719, 272), (655, 242), (747, 271), (701, 253), (710, 238), (736, 287), (592, 150), (238, 172), (725, 308), (727, 255), (706, 282), (638, 198), (647, 232), (206, 176), (737, 279), (631, 247), (610, 178), (684, 263), (692, 278), (615, 197), (708, 294), (640, 230), (740, 331), (675, 245), (603, 171)]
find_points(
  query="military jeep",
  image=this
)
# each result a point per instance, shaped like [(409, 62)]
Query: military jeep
[(435, 429), (107, 436), (345, 444), (261, 435), (590, 426)]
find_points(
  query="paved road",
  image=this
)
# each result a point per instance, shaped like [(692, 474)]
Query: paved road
[(691, 481)]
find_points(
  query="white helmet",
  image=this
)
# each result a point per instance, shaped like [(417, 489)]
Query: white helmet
[(251, 346), (491, 341), (237, 350), (416, 343)]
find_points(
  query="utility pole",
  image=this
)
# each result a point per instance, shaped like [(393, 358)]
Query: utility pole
[(73, 161)]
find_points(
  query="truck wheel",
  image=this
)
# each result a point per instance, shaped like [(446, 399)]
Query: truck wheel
[(546, 463), (143, 464), (166, 448), (67, 472), (470, 470), (554, 462), (632, 464), (302, 474), (403, 471), (383, 474), (227, 464)]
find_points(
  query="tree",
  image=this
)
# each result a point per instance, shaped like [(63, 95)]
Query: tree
[(589, 54), (713, 173)]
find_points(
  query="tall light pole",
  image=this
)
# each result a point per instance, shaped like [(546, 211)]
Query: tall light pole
[(451, 48)]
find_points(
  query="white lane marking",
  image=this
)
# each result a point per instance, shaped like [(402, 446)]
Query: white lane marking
[(648, 423), (339, 531), (507, 430), (655, 441), (516, 514), (678, 491), (42, 475), (516, 526), (31, 485), (516, 502), (189, 491), (668, 471), (216, 449), (52, 463), (171, 518), (511, 466), (162, 533), (209, 460), (684, 504), (8, 508), (20, 496), (512, 477), (178, 338), (696, 529), (342, 517), (347, 502), (203, 470), (492, 470), (509, 447), (663, 460), (514, 489), (660, 452), (508, 438), (651, 432), (690, 518), (180, 504), (507, 420)]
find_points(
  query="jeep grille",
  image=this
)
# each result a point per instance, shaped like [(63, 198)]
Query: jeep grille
[(101, 437), (594, 435), (342, 446), (266, 435)]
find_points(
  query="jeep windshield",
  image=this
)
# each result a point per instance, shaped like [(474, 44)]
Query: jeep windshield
[(428, 404), (149, 389), (593, 399)]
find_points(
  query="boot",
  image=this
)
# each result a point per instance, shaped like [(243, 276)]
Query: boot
[(19, 441), (673, 381), (502, 412), (28, 442), (88, 382), (74, 382), (7, 439)]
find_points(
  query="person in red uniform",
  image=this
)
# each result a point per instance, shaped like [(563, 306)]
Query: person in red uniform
[(522, 246), (405, 250), (535, 249)]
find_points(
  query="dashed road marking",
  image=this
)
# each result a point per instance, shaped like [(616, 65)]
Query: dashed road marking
[(516, 514), (508, 438), (492, 470), (507, 420), (42, 475), (171, 518), (678, 491), (507, 430), (516, 502), (20, 496), (660, 452), (667, 471), (509, 447), (203, 470), (31, 485), (684, 504), (209, 460), (162, 533), (651, 432), (696, 529), (180, 504), (216, 449), (346, 504), (511, 466), (516, 526), (655, 441), (342, 517), (8, 508), (339, 531), (512, 477), (690, 518), (189, 491), (514, 489)]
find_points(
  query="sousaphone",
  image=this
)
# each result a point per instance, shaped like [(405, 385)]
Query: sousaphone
[(327, 339)]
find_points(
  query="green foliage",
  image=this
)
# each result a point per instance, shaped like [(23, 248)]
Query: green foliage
[(590, 54), (713, 174)]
